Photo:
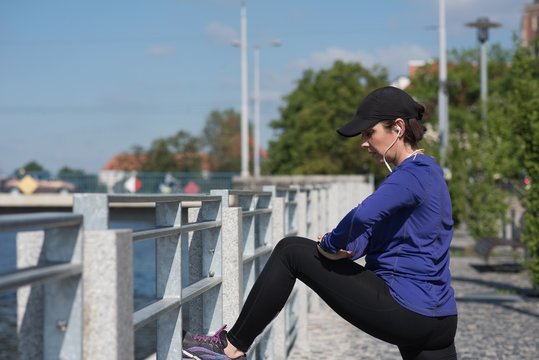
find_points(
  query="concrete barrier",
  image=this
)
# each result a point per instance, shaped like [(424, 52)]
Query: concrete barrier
[(210, 248)]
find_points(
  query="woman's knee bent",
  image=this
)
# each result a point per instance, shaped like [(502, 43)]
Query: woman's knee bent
[(293, 243)]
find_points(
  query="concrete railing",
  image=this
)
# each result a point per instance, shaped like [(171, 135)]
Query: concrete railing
[(49, 312), (210, 248)]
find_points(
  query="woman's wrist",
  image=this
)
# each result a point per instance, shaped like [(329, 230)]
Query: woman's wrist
[(322, 244)]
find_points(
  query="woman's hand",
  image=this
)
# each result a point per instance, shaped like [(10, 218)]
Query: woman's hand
[(340, 254)]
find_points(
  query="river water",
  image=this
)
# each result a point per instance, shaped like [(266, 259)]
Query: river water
[(144, 291)]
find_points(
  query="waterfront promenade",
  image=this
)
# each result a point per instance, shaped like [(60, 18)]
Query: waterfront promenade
[(499, 319), (496, 320)]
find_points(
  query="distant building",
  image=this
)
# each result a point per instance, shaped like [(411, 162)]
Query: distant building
[(414, 65), (124, 166), (401, 82), (134, 162), (530, 23), (125, 162)]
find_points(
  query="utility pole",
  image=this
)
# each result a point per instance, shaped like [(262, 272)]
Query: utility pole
[(443, 102), (483, 25), (244, 96), (256, 59)]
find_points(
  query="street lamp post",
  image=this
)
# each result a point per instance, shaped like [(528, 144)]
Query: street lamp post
[(244, 96), (256, 59), (256, 98), (443, 118), (483, 25)]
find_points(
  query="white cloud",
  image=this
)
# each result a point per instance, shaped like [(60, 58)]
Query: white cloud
[(270, 96), (161, 50), (460, 12), (395, 58), (325, 58), (221, 33)]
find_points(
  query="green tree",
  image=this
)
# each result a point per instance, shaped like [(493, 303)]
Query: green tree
[(522, 114), (159, 157), (66, 171), (323, 101), (31, 166), (179, 152), (477, 153), (187, 147), (221, 137)]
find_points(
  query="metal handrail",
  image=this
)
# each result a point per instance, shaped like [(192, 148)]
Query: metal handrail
[(37, 275), (142, 198), (47, 279), (162, 306), (26, 222), (216, 260), (174, 230)]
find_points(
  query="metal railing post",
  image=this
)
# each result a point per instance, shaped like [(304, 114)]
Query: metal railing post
[(168, 280), (301, 198), (314, 207), (334, 204), (248, 235), (302, 300), (108, 295), (30, 307), (324, 207), (278, 332), (212, 257), (49, 315), (232, 265), (317, 211), (232, 258), (94, 208)]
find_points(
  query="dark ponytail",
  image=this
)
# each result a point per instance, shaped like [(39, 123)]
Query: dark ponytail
[(415, 130)]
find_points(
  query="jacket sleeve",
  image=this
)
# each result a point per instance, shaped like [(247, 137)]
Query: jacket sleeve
[(354, 231)]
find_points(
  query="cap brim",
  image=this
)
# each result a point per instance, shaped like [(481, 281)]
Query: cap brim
[(355, 127)]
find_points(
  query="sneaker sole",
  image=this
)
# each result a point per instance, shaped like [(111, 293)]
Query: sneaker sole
[(189, 355)]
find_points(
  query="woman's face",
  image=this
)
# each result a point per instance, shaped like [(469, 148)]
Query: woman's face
[(376, 140)]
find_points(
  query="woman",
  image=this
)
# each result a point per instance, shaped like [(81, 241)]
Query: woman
[(403, 294)]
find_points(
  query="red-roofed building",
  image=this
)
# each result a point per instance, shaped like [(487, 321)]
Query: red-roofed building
[(530, 23)]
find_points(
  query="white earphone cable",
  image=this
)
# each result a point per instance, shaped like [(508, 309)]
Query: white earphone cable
[(389, 147)]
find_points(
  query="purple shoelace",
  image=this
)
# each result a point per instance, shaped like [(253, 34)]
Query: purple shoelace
[(215, 338)]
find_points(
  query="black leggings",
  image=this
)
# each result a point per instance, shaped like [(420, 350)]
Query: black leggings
[(353, 292)]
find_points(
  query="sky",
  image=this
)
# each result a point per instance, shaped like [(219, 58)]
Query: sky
[(83, 81)]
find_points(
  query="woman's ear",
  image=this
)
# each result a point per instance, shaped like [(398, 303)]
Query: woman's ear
[(399, 127)]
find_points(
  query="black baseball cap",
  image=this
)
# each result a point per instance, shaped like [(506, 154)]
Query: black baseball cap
[(386, 103)]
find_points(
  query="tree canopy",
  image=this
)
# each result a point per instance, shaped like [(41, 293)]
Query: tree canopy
[(31, 166), (521, 114), (179, 152), (221, 138), (476, 156), (307, 141)]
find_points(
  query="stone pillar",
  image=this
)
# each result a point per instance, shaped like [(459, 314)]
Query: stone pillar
[(49, 315), (169, 281), (95, 208), (108, 295), (232, 264)]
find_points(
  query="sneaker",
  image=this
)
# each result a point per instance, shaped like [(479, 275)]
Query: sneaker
[(201, 347)]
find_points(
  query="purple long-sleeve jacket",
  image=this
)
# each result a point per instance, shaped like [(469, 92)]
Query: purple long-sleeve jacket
[(404, 229)]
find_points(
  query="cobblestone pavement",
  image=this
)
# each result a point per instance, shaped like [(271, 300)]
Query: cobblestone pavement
[(497, 320)]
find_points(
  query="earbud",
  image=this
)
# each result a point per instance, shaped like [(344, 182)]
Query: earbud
[(398, 130)]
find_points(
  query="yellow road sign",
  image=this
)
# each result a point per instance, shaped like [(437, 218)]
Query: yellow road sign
[(27, 185)]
